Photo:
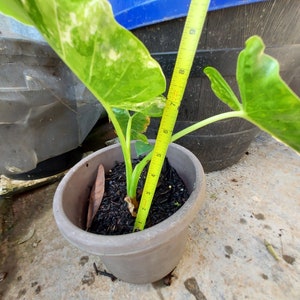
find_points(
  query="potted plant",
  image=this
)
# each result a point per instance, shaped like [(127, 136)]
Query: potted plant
[(119, 71)]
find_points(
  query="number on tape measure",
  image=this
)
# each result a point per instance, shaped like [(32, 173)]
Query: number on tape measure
[(187, 49)]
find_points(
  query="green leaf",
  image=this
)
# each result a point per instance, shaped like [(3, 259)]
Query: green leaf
[(142, 148), (152, 108), (267, 100), (222, 89), (14, 9), (109, 59), (139, 123), (123, 117)]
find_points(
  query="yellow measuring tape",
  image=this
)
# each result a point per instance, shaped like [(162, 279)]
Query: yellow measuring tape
[(187, 49)]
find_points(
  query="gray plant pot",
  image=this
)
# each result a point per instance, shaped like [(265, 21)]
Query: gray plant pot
[(140, 257)]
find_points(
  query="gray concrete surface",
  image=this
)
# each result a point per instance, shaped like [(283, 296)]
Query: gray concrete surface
[(254, 201)]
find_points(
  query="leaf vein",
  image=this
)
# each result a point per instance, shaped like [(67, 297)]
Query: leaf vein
[(59, 29), (92, 63), (116, 83)]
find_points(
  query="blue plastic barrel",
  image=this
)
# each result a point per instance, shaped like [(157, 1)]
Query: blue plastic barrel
[(137, 13)]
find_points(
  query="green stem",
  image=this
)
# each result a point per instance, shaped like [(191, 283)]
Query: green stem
[(133, 175), (128, 151), (223, 116), (136, 174), (123, 143), (128, 133), (141, 165)]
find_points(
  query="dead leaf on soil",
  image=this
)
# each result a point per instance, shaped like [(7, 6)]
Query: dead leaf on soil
[(132, 205), (96, 195)]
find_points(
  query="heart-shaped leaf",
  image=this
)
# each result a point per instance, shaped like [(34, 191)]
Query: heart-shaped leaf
[(222, 89), (267, 101), (138, 124)]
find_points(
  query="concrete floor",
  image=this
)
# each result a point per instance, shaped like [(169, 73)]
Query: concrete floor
[(254, 201)]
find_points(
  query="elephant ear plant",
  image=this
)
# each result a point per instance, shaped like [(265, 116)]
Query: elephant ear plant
[(113, 64), (117, 68)]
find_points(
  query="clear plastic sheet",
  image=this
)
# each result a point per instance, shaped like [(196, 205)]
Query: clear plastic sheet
[(45, 110)]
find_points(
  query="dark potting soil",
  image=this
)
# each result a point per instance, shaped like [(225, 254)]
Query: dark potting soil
[(113, 216)]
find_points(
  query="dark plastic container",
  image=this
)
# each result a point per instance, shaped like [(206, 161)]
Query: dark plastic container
[(222, 144), (138, 13)]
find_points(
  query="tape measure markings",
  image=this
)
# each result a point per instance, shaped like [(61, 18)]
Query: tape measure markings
[(187, 49)]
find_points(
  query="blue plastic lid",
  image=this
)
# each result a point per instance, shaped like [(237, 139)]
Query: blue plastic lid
[(137, 13)]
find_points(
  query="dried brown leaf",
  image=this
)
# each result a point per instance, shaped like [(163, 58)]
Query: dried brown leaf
[(96, 195), (132, 205)]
